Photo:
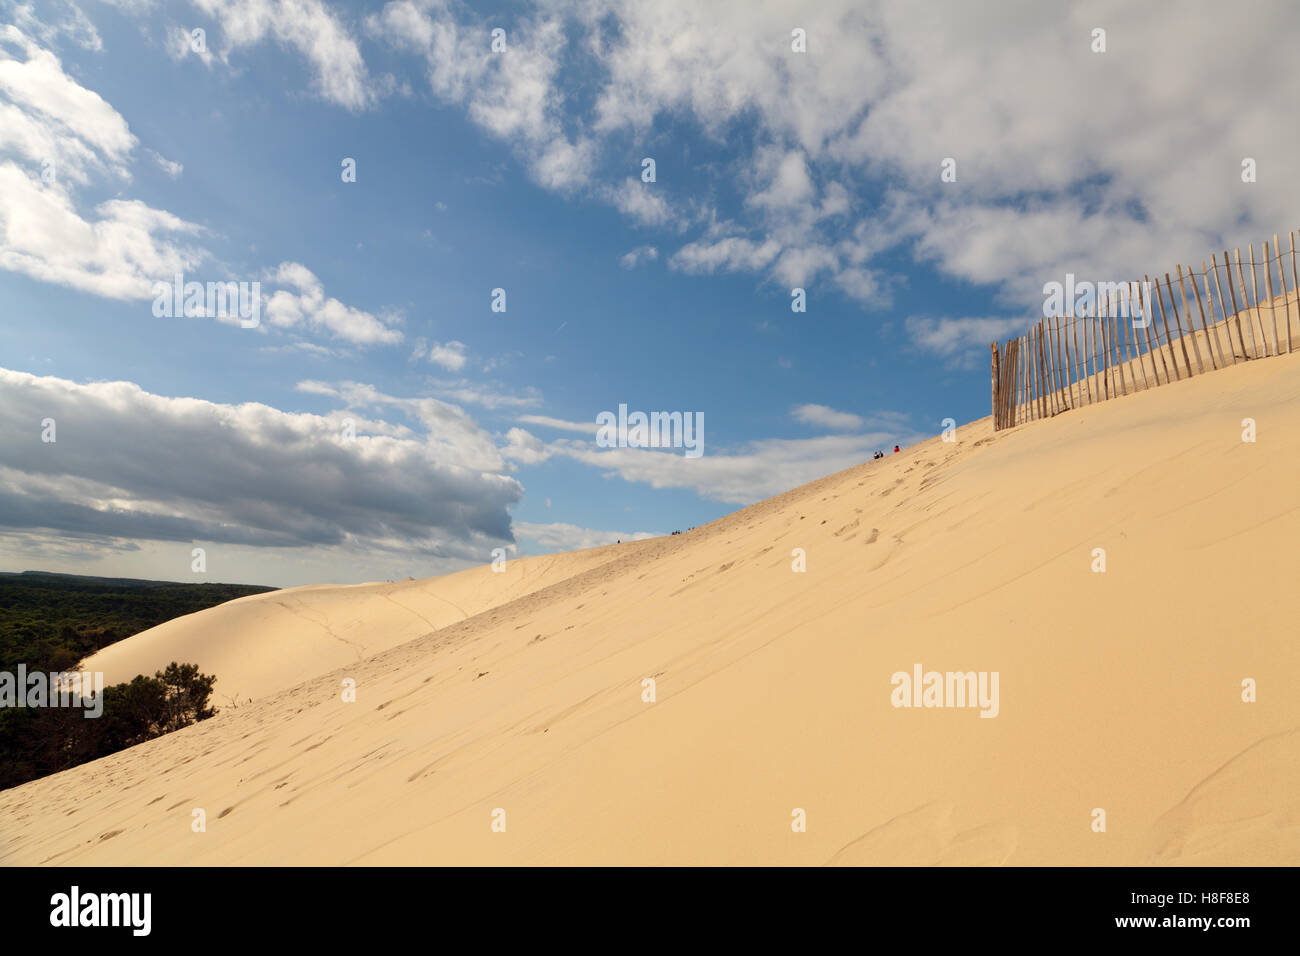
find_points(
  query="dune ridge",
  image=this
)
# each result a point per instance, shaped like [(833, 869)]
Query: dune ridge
[(267, 642), (1120, 691)]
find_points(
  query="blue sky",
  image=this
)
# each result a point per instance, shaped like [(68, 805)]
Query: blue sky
[(521, 170)]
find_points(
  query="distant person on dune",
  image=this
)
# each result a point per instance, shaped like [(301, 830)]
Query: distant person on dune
[(895, 449)]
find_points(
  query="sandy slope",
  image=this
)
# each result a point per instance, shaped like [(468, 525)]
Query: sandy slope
[(1118, 690), (269, 642)]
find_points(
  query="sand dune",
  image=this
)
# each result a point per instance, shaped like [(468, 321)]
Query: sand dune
[(1118, 690), (268, 642)]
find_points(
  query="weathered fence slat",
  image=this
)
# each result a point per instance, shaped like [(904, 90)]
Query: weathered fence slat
[(1178, 323), (1255, 344), (1169, 342), (1223, 307), (1209, 345), (1147, 313), (1295, 286), (1083, 379), (1224, 360), (1191, 326)]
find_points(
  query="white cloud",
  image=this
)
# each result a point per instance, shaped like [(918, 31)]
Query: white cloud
[(74, 24), (514, 95), (524, 447), (171, 169), (143, 467), (450, 355), (310, 307), (961, 340), (728, 254), (788, 183), (48, 116), (843, 178), (180, 43), (570, 537), (310, 28), (485, 395), (118, 254), (545, 421), (643, 202), (634, 257), (825, 417), (757, 471)]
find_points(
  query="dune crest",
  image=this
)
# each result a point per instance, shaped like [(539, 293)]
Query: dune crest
[(268, 642)]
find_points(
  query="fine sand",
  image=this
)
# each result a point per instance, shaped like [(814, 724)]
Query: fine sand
[(268, 642), (1119, 691)]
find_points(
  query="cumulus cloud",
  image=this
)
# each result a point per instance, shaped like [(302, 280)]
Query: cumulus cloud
[(128, 464), (117, 253), (823, 416), (956, 339), (49, 117), (524, 447), (309, 307), (634, 257), (307, 26), (514, 94), (727, 254), (450, 355), (642, 202), (56, 135), (837, 177)]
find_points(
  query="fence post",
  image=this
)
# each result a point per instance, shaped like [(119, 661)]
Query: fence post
[(1191, 327), (1020, 383), (1178, 322), (1131, 332), (1004, 384), (1042, 372), (1112, 387), (1159, 303), (1083, 370), (1245, 305), (1200, 307), (1067, 323), (1268, 283), (993, 399), (1113, 308), (1024, 380), (1214, 323), (1268, 278), (1054, 358), (1169, 339), (1148, 314), (1223, 307), (1090, 332), (1295, 285)]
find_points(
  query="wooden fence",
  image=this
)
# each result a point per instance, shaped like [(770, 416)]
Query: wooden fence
[(1047, 370)]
